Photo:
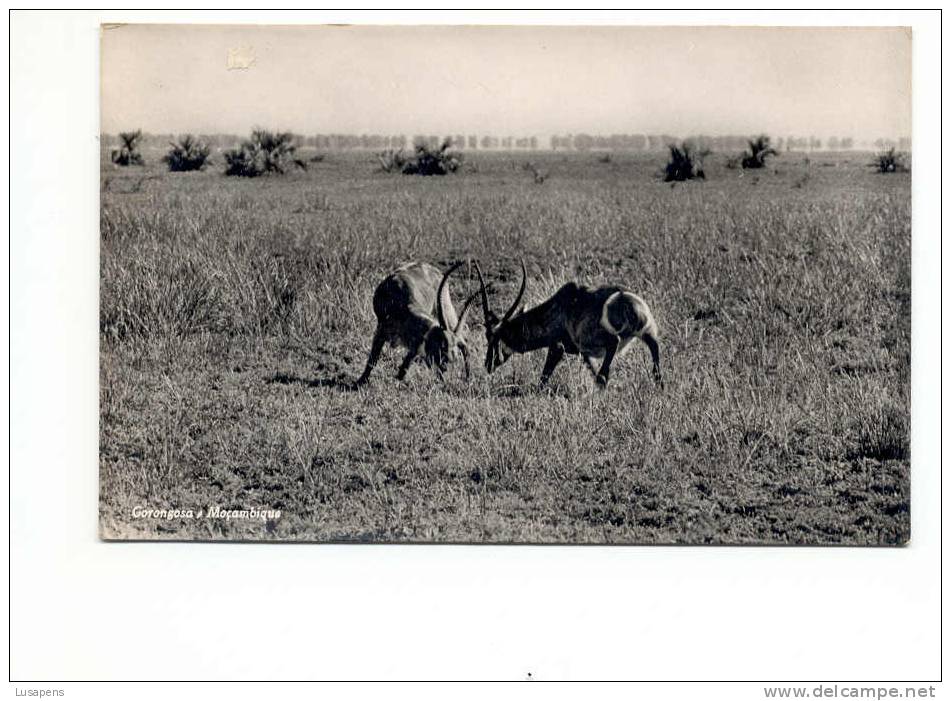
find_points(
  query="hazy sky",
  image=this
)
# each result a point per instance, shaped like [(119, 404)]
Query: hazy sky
[(508, 80)]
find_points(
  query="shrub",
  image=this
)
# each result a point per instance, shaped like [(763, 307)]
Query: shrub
[(685, 163), (538, 175), (890, 162), (242, 161), (128, 154), (759, 150), (264, 153), (391, 161), (433, 161), (188, 153)]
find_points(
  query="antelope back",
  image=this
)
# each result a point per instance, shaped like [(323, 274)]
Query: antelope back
[(408, 289)]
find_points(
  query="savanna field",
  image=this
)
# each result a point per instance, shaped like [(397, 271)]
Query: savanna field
[(236, 312)]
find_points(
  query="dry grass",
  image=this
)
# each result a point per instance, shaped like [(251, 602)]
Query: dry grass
[(235, 312)]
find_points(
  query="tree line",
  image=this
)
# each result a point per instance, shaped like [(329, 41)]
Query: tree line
[(557, 142)]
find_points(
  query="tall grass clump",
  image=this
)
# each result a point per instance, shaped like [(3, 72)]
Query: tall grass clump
[(188, 153), (128, 153), (883, 432), (265, 153), (685, 163), (174, 273), (759, 150), (157, 298), (890, 161)]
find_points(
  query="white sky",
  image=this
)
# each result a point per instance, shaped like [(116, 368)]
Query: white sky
[(515, 81)]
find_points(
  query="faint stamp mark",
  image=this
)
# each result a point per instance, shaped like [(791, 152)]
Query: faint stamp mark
[(241, 58)]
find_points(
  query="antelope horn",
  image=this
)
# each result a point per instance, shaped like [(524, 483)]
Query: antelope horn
[(465, 308), (518, 299), (440, 315), (485, 297)]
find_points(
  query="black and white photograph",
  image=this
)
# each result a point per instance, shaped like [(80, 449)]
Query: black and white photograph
[(534, 284), (351, 346)]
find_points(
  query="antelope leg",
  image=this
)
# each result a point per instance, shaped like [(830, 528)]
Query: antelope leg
[(655, 355), (605, 372), (555, 354), (404, 366), (589, 362), (465, 360), (375, 349)]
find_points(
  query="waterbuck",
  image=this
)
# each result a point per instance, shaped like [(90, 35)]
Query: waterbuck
[(413, 310), (595, 322)]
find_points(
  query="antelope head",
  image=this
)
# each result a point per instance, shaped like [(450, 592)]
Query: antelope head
[(497, 351), (444, 343)]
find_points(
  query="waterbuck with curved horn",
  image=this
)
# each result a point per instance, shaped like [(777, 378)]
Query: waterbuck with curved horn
[(413, 310), (595, 322)]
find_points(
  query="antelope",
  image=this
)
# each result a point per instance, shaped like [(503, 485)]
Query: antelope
[(413, 310), (593, 322)]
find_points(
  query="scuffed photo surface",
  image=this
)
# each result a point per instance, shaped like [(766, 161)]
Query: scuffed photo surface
[(237, 311)]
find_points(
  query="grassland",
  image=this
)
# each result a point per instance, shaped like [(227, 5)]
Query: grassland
[(235, 313)]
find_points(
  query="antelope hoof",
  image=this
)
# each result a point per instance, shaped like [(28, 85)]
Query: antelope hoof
[(602, 381)]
